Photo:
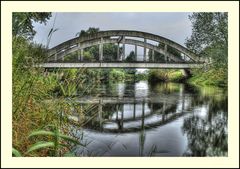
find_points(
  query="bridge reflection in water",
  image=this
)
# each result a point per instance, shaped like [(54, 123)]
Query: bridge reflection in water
[(131, 116), (122, 119), (144, 120)]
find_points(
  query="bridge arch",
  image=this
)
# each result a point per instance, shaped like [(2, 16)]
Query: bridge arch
[(102, 37), (91, 43)]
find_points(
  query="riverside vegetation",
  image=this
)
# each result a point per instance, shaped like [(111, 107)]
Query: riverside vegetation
[(209, 40), (38, 126)]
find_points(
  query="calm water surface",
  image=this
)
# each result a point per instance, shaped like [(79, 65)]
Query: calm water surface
[(161, 119)]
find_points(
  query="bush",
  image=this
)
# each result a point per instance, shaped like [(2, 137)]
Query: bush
[(166, 75), (117, 74)]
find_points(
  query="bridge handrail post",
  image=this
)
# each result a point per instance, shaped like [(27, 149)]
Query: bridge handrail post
[(135, 53), (165, 53), (123, 48), (144, 50), (101, 50)]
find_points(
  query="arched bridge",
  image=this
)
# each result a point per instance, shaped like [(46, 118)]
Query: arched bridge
[(173, 54)]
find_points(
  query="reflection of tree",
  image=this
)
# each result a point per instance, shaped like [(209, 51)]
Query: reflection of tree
[(204, 138), (208, 136), (165, 88), (129, 90)]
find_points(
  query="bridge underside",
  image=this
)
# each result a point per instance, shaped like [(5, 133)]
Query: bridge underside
[(122, 65)]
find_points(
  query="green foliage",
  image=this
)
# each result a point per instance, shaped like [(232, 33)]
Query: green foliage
[(40, 145), (212, 77), (116, 74), (22, 22), (32, 88), (209, 29), (90, 31), (16, 153), (209, 39), (56, 142), (166, 75), (110, 52), (92, 53), (141, 76), (87, 55)]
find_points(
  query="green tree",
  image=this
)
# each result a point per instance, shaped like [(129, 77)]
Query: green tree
[(90, 31), (110, 52), (131, 57), (210, 36), (209, 40), (156, 57), (22, 22)]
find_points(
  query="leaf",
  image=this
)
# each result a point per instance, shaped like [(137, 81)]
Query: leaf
[(69, 139), (40, 145), (63, 90), (55, 30), (50, 32), (16, 153), (42, 132), (50, 133)]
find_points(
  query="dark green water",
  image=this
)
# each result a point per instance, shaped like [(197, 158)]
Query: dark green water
[(162, 119)]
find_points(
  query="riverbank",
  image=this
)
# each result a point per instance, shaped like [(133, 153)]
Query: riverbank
[(166, 75), (215, 77), (212, 77)]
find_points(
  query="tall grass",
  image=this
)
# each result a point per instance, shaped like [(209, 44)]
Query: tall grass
[(31, 112), (212, 77)]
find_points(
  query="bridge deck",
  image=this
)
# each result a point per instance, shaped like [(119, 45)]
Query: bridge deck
[(121, 65)]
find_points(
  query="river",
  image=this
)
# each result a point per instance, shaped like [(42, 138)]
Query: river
[(161, 119)]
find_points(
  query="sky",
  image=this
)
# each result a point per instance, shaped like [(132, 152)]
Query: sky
[(171, 25)]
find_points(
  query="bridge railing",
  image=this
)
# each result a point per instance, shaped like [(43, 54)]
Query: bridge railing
[(111, 59)]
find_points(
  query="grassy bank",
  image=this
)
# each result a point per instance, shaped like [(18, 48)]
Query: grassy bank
[(216, 77), (37, 125), (166, 75), (212, 77)]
